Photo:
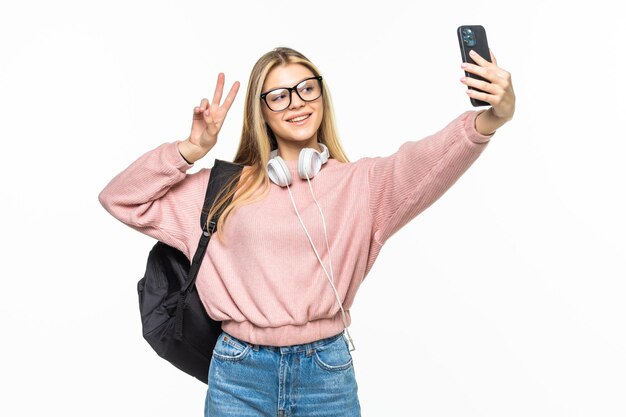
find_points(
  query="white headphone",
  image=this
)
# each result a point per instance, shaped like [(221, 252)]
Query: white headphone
[(309, 164)]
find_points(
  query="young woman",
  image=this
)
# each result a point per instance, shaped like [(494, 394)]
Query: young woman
[(303, 230)]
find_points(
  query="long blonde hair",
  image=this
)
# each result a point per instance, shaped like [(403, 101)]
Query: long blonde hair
[(257, 140)]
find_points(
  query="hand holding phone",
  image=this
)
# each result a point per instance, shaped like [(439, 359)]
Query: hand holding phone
[(473, 37)]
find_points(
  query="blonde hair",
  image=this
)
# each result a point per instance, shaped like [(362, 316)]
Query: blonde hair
[(257, 140)]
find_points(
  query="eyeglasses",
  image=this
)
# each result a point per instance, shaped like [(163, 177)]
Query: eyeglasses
[(279, 99)]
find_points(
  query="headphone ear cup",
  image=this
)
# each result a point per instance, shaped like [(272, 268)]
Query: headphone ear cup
[(278, 172), (325, 155), (309, 163)]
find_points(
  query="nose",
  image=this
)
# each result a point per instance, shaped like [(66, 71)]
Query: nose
[(296, 101)]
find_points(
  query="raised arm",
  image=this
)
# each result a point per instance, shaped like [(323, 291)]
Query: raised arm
[(154, 194), (405, 183)]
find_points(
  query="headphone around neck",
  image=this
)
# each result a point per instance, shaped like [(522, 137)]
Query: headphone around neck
[(309, 164)]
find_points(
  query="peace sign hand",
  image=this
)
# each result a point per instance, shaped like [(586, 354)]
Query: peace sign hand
[(207, 122)]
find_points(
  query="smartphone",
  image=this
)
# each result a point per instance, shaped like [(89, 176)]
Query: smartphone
[(473, 37)]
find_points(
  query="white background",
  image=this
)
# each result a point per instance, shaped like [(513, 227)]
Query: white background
[(506, 298)]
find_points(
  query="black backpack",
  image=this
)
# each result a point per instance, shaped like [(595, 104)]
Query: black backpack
[(174, 321)]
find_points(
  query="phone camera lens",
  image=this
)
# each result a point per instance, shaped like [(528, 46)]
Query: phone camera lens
[(468, 37)]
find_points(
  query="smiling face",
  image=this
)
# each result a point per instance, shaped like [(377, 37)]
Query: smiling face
[(295, 127)]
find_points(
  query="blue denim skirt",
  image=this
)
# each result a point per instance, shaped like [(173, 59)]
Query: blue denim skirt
[(310, 380)]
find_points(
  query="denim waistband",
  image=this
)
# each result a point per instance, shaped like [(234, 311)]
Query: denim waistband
[(305, 347)]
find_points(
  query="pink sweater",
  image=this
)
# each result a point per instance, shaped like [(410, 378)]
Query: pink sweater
[(264, 281)]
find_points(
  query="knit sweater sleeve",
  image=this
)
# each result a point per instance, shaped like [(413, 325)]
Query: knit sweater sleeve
[(156, 196), (407, 182)]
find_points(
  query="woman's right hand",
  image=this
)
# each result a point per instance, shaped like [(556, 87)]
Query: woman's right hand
[(207, 122)]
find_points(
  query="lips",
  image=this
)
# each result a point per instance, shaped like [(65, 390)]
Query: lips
[(299, 118)]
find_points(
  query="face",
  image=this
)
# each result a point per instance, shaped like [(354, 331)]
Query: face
[(297, 125)]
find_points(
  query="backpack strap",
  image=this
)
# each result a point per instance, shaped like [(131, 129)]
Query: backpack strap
[(221, 174)]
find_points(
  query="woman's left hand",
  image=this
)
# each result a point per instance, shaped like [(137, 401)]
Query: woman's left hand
[(498, 91)]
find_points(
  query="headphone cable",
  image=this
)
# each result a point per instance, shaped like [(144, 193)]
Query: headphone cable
[(330, 276)]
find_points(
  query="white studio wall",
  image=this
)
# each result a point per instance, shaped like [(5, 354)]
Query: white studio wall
[(503, 298)]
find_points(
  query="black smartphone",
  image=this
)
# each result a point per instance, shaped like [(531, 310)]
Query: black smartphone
[(473, 37)]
